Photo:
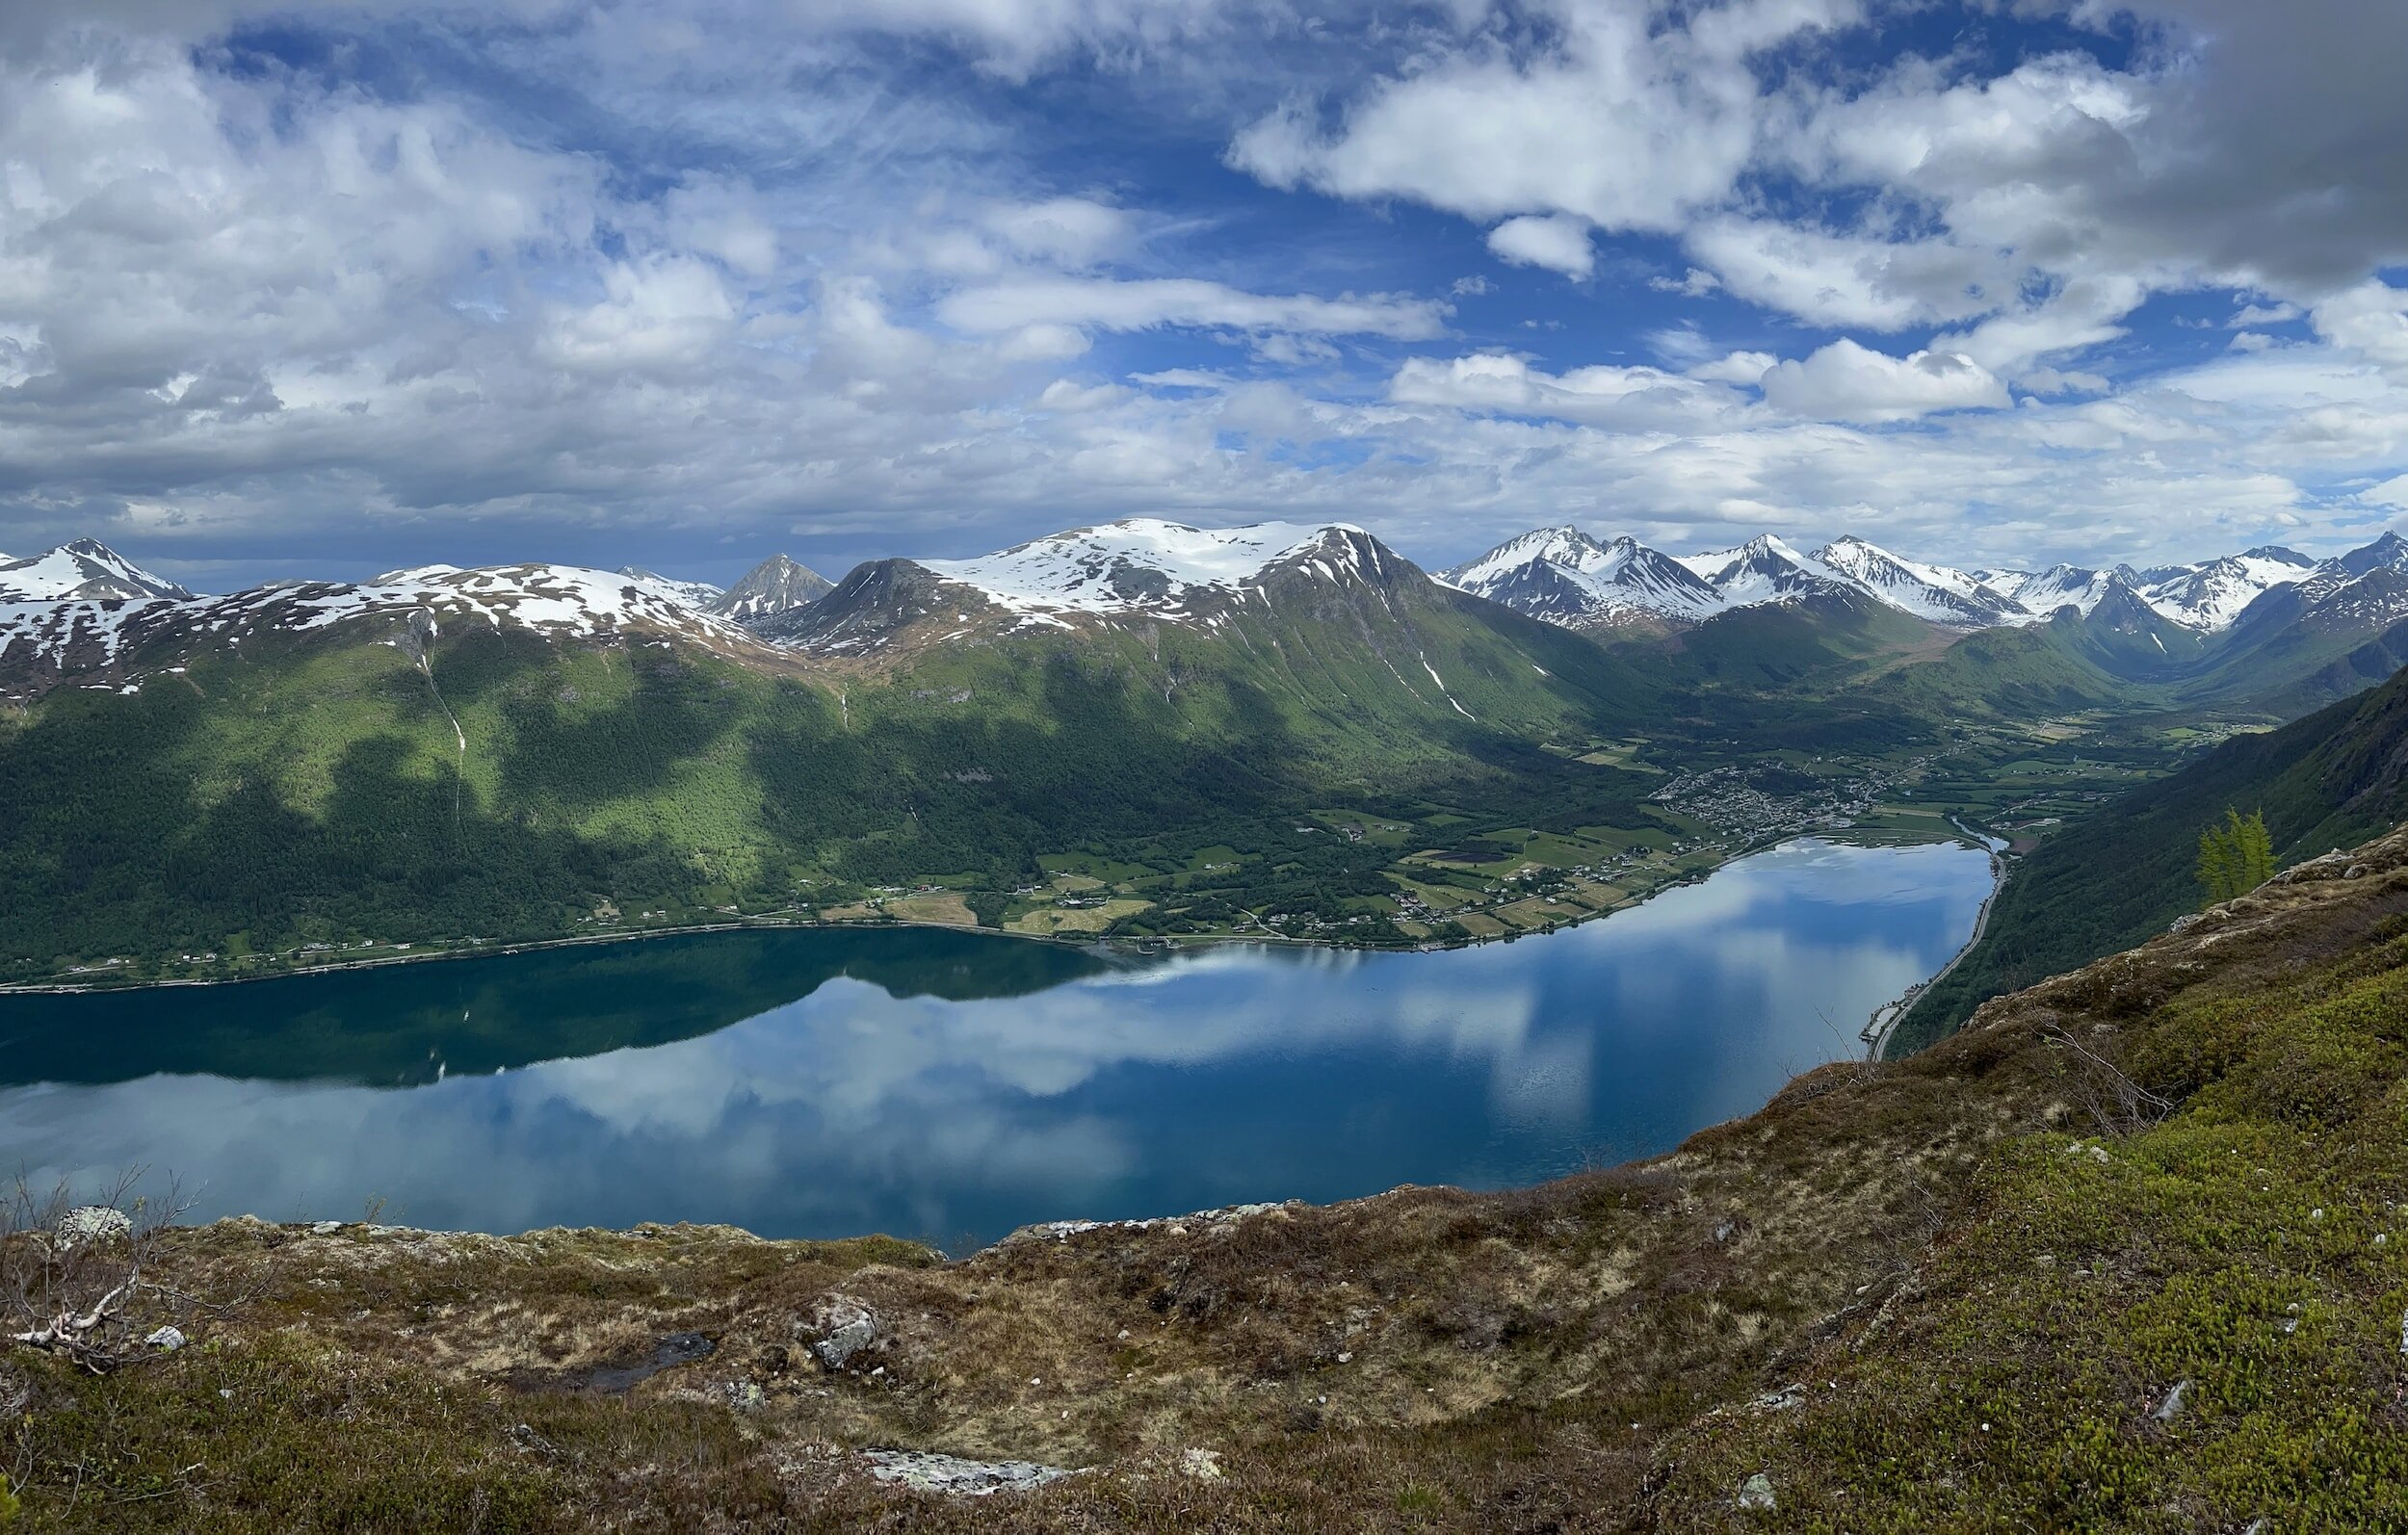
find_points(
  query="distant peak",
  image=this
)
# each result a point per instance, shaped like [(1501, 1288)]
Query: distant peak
[(777, 585)]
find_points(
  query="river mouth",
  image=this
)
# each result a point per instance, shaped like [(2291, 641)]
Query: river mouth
[(949, 1087)]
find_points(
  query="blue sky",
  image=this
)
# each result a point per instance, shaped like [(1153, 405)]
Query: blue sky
[(330, 288)]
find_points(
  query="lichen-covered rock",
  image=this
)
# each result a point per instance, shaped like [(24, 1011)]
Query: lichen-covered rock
[(87, 1224), (839, 1328), (930, 1472), (1756, 1494)]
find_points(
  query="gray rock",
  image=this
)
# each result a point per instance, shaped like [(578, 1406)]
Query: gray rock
[(326, 1227), (170, 1339), (1756, 1494), (2184, 922), (930, 1472), (93, 1224), (845, 1327), (745, 1396)]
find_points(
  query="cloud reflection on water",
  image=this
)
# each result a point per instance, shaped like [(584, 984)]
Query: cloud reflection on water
[(1235, 1074)]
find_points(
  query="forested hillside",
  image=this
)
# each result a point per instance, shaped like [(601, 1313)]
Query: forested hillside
[(2126, 872), (325, 788)]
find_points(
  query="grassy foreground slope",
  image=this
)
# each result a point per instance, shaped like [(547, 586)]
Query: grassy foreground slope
[(2129, 870), (2123, 1254)]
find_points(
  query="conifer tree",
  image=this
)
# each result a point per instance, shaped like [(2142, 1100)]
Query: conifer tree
[(2235, 857)]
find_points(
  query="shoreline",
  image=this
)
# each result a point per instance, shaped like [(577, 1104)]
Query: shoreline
[(1886, 1018), (1132, 946)]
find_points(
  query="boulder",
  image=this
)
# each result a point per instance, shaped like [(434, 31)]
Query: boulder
[(839, 1328), (930, 1472), (93, 1224)]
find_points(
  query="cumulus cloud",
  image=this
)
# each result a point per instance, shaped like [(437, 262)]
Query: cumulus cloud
[(2371, 321), (766, 274), (1844, 382), (1738, 368), (1636, 117), (1556, 244)]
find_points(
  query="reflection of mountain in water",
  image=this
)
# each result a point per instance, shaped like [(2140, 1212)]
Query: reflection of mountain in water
[(402, 1025)]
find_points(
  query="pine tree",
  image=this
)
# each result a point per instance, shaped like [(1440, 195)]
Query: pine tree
[(2237, 857)]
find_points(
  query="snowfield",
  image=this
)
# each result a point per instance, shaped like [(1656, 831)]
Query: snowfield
[(1142, 565)]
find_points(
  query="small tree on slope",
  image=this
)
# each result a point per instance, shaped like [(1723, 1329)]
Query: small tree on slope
[(2235, 857)]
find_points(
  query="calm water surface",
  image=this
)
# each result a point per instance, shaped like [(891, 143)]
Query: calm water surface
[(950, 1086)]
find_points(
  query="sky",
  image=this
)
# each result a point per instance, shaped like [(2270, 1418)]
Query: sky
[(329, 288)]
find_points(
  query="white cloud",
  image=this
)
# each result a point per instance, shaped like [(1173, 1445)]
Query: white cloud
[(1145, 304), (1697, 284), (1070, 230), (1858, 281), (1557, 244), (1844, 382), (1633, 121), (2371, 320), (1625, 398), (664, 314), (1746, 368), (2392, 492), (2259, 314), (241, 310)]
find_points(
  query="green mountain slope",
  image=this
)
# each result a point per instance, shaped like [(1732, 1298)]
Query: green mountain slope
[(319, 784), (2126, 872), (2035, 673)]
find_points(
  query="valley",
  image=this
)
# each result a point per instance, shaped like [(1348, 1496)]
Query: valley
[(1143, 733)]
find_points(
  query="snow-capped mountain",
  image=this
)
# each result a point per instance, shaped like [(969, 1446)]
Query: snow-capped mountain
[(83, 569), (1767, 569), (699, 594), (2366, 587), (115, 643), (1563, 576), (2042, 592), (777, 585), (2209, 595), (1935, 592), (1144, 566)]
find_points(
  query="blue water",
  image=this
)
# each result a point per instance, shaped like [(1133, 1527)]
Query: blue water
[(950, 1086)]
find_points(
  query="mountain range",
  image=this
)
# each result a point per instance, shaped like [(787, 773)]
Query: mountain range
[(509, 751), (1565, 577)]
